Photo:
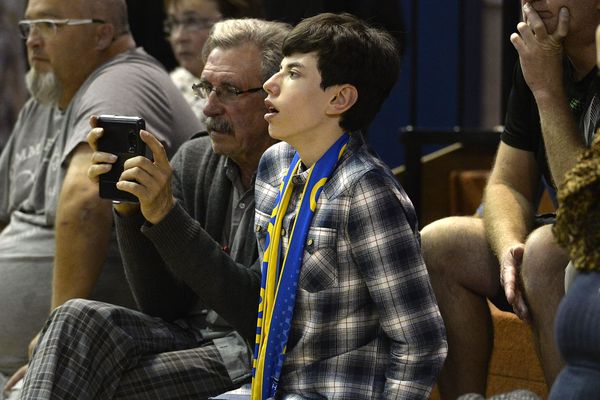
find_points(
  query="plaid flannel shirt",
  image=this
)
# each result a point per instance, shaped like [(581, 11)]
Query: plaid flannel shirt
[(366, 323)]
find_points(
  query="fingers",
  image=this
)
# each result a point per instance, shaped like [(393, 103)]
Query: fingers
[(509, 277), (93, 121), (509, 282), (517, 253), (534, 23), (143, 178), (526, 32), (144, 173), (17, 376), (509, 271), (563, 25), (534, 27), (93, 136), (101, 164), (520, 308), (513, 293), (158, 151), (517, 42)]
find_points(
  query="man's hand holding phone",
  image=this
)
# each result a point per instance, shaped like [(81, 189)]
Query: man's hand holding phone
[(149, 181)]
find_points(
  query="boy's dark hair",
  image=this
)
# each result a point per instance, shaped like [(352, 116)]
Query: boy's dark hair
[(349, 52)]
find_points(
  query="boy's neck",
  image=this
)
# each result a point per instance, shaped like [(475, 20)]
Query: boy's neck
[(313, 148)]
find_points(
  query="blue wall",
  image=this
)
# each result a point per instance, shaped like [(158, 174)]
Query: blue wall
[(437, 77)]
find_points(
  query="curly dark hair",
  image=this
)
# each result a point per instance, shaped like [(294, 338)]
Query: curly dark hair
[(577, 226)]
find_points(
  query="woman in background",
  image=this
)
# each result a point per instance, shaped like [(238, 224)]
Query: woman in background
[(187, 26), (577, 228)]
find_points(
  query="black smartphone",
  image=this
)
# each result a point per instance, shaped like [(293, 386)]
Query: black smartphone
[(122, 138)]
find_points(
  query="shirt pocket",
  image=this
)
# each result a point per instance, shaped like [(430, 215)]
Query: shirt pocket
[(319, 266)]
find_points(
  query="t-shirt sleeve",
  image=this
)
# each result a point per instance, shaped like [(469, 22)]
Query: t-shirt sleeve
[(5, 181), (522, 121), (105, 92), (6, 163), (130, 89)]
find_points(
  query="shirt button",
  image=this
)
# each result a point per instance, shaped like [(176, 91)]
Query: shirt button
[(242, 205), (282, 232), (310, 242)]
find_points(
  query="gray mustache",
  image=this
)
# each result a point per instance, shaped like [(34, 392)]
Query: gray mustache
[(218, 124)]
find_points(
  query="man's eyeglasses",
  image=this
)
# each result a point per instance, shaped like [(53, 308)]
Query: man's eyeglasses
[(189, 24), (225, 93), (48, 27)]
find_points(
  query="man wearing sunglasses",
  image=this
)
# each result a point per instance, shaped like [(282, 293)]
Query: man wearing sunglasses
[(58, 240)]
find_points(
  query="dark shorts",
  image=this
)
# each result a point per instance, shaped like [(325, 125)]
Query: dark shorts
[(499, 300)]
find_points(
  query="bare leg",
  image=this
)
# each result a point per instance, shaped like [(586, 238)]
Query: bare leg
[(463, 273), (543, 272)]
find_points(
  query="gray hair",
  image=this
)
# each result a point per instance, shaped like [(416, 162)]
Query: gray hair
[(266, 35), (43, 86), (113, 12)]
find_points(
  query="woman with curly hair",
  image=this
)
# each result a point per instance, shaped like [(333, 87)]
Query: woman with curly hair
[(577, 324)]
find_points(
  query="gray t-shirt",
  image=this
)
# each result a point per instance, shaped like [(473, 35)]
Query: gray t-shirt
[(32, 170)]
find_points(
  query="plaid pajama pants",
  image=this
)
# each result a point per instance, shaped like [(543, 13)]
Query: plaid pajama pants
[(93, 350)]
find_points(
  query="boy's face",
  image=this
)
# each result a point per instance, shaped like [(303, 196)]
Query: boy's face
[(297, 105)]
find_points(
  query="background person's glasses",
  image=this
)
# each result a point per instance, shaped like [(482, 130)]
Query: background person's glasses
[(225, 93), (170, 25), (48, 27)]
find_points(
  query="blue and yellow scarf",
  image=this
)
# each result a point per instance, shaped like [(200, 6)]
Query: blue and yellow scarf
[(280, 279)]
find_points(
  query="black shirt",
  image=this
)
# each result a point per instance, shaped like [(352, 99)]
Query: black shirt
[(522, 127)]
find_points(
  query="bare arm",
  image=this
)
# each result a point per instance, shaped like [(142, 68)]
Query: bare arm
[(509, 195), (83, 226), (563, 143), (508, 217)]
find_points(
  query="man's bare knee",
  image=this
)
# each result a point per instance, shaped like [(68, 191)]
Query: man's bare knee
[(544, 260), (543, 254), (455, 249)]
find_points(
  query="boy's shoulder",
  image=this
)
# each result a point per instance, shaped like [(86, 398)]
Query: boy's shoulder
[(272, 168), (359, 164), (274, 164)]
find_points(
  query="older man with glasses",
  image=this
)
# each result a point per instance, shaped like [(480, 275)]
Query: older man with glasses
[(56, 240), (186, 247)]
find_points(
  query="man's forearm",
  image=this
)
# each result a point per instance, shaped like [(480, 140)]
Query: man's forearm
[(508, 217), (562, 141)]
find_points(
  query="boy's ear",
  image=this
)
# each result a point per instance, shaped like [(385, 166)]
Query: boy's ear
[(105, 34), (343, 98)]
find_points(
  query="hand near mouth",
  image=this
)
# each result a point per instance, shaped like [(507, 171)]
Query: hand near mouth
[(541, 53)]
